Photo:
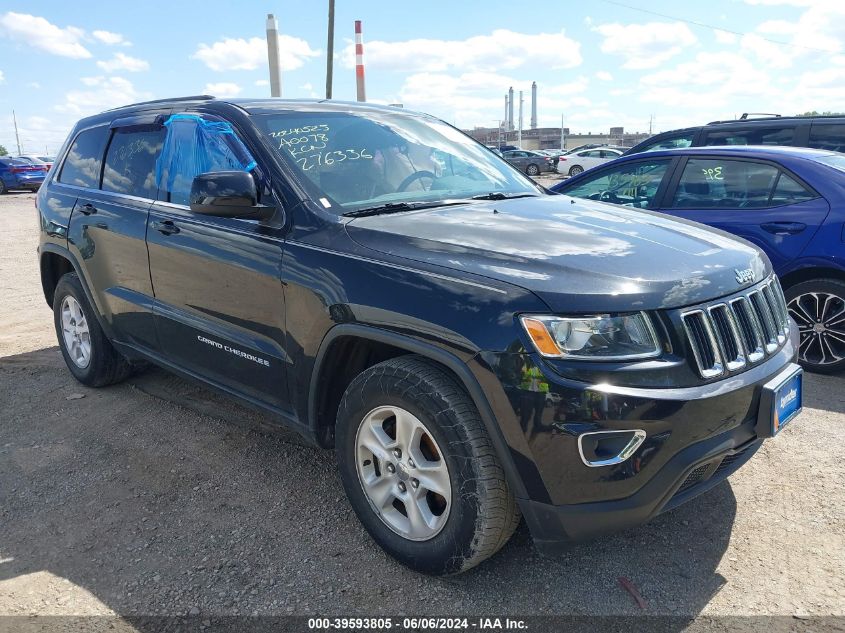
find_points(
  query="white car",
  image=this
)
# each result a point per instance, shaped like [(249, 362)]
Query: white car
[(573, 164)]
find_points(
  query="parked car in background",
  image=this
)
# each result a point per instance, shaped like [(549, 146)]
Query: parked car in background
[(18, 173), (47, 161), (531, 163), (788, 201), (820, 132), (574, 164)]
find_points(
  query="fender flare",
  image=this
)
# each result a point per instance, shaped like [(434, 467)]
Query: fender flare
[(77, 268), (446, 358)]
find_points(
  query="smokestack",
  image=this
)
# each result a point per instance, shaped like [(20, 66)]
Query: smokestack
[(533, 105), (505, 120), (273, 56), (359, 61), (510, 108), (519, 134)]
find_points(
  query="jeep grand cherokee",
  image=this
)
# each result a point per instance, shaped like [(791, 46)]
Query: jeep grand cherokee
[(474, 349)]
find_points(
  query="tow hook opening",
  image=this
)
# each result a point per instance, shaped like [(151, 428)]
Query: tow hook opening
[(606, 448)]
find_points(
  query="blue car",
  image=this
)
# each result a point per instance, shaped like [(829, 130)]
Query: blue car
[(19, 173), (788, 201)]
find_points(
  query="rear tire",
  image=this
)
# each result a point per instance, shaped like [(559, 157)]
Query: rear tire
[(411, 397), (532, 170), (89, 355), (818, 307), (575, 170), (3, 188)]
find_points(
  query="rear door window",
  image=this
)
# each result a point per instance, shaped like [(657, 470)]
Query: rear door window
[(131, 160), (829, 136), (758, 135), (725, 184), (85, 158)]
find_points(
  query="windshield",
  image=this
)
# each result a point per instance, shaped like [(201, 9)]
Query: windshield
[(837, 161), (364, 160)]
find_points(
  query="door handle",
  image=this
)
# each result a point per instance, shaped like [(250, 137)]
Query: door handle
[(88, 208), (165, 227), (784, 228)]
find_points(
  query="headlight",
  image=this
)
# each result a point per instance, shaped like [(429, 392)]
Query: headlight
[(601, 337)]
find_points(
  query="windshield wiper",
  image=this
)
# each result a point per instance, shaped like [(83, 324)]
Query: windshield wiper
[(498, 195), (397, 207)]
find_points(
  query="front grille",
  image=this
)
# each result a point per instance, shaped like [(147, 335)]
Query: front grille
[(693, 478), (727, 336)]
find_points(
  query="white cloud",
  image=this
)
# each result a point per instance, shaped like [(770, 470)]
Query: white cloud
[(222, 89), (41, 34), (105, 93), (723, 37), (240, 54), (604, 75), (500, 50), (2, 77), (112, 39), (34, 85), (123, 62), (262, 82), (645, 45)]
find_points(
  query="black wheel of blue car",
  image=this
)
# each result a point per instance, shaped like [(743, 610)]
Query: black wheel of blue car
[(3, 188), (818, 308), (532, 170), (419, 469)]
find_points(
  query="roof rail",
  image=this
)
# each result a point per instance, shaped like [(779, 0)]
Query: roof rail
[(745, 115), (168, 100)]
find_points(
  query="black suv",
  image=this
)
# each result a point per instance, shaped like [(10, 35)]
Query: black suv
[(820, 132), (474, 349)]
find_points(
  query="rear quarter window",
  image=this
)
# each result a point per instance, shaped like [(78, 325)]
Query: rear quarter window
[(781, 135), (830, 136), (84, 159)]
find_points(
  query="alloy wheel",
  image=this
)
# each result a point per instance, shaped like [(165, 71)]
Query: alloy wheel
[(821, 325), (77, 337), (403, 473)]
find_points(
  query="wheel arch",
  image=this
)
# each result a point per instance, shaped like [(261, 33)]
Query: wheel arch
[(55, 262), (809, 273), (327, 387)]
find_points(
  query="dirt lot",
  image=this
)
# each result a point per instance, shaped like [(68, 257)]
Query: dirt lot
[(157, 497)]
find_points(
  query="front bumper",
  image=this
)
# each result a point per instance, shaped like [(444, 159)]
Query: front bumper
[(695, 438)]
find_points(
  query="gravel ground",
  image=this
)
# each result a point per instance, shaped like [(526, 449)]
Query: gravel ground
[(158, 497)]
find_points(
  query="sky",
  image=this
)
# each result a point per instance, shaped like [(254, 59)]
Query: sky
[(635, 63)]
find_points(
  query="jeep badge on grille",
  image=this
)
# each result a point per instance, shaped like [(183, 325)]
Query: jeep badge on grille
[(744, 276)]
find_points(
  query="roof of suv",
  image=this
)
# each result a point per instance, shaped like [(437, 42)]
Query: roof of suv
[(772, 151)]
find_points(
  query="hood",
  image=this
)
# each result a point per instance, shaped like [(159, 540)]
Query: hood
[(577, 255)]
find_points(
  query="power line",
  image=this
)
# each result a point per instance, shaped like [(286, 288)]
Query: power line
[(716, 28)]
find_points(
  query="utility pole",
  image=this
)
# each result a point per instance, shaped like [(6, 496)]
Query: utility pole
[(562, 139), (330, 52), (273, 56), (17, 138), (519, 133)]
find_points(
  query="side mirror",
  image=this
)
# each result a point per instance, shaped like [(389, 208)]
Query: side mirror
[(228, 194)]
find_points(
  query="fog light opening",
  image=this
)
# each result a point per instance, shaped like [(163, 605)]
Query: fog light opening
[(606, 448)]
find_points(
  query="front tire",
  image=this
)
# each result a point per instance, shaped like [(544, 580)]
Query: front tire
[(419, 469), (575, 170), (818, 308), (89, 355)]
